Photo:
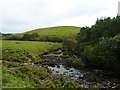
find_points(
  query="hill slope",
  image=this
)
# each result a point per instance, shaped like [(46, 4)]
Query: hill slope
[(57, 31), (47, 34)]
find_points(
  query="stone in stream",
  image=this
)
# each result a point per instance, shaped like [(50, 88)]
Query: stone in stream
[(57, 71), (77, 76), (70, 70), (58, 66), (52, 65), (59, 59), (71, 75), (81, 76), (64, 73)]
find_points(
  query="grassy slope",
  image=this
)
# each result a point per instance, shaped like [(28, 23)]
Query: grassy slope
[(60, 31)]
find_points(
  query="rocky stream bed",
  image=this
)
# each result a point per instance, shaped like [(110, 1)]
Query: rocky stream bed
[(56, 61)]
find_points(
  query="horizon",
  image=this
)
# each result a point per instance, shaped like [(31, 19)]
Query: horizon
[(39, 28), (21, 16)]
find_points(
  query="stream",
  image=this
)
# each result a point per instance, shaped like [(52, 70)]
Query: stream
[(56, 61)]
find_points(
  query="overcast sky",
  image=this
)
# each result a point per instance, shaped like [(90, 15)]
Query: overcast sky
[(23, 15)]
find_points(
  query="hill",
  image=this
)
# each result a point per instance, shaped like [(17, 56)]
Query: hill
[(57, 31), (54, 34)]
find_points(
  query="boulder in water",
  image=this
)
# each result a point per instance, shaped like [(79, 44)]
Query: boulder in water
[(58, 66)]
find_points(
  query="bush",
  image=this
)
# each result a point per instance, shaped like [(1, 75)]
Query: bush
[(71, 61), (69, 43), (99, 44), (105, 54), (14, 37), (30, 36)]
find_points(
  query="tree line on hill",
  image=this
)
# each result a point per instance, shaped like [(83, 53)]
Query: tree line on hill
[(31, 37)]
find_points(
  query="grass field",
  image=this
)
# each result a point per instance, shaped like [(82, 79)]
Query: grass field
[(26, 51), (9, 80), (31, 46)]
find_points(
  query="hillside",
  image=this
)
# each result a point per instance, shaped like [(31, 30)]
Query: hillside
[(54, 34), (57, 31)]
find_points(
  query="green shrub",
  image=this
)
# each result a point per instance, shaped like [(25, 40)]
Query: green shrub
[(71, 84), (30, 36), (69, 43), (71, 61), (14, 37)]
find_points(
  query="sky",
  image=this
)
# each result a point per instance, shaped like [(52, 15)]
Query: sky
[(18, 16)]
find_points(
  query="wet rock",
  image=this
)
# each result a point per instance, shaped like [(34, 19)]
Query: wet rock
[(81, 76), (64, 73), (57, 71), (77, 73), (32, 64), (59, 59), (71, 75), (52, 65), (70, 70), (77, 76), (58, 52), (58, 66)]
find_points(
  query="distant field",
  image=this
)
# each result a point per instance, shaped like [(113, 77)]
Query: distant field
[(30, 46)]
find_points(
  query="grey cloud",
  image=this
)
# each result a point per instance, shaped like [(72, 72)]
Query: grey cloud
[(22, 15)]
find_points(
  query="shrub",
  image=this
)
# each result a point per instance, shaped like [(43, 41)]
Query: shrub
[(69, 43), (71, 61), (30, 36), (14, 37)]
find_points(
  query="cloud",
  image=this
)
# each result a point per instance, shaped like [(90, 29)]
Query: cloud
[(23, 15)]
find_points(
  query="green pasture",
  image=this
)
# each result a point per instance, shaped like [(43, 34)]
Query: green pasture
[(31, 46), (59, 31)]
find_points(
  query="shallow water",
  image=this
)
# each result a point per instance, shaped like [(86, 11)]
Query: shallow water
[(69, 72)]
